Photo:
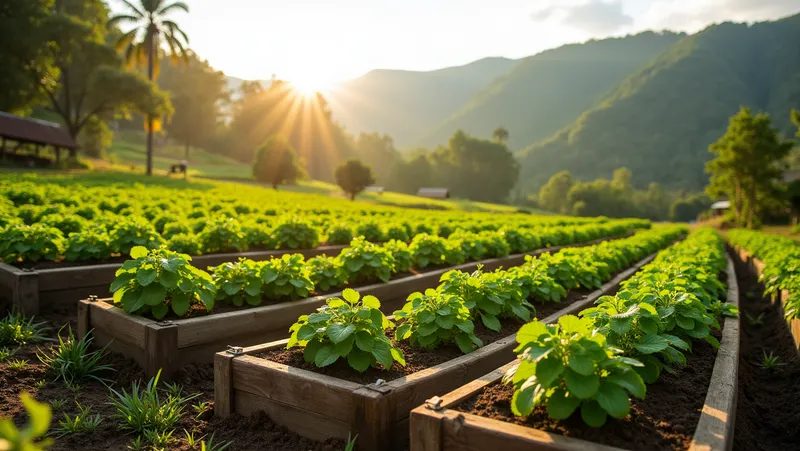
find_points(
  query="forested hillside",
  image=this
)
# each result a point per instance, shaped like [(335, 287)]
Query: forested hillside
[(405, 104), (547, 91), (660, 120)]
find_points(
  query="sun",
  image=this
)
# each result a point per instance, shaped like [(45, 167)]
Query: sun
[(309, 85)]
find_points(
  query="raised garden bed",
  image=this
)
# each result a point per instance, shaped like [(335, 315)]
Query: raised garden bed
[(756, 267), (443, 424), (34, 291), (168, 345), (321, 406)]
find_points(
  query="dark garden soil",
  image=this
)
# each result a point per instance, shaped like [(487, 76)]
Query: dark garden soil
[(665, 420), (417, 359), (768, 404), (254, 433)]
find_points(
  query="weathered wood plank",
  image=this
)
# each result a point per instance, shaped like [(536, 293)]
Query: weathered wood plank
[(426, 430), (715, 429), (162, 349), (322, 394), (117, 323), (307, 423), (223, 384)]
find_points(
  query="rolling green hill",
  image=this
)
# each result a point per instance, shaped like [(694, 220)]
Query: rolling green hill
[(547, 91), (661, 119), (406, 103)]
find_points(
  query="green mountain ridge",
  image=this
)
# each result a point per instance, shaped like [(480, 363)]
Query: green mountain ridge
[(545, 92), (659, 121), (402, 103)]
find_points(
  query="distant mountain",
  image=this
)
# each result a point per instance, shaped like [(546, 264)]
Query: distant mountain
[(404, 104), (660, 120), (547, 91)]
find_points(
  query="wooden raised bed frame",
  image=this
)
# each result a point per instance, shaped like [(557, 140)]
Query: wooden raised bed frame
[(33, 291), (168, 345), (757, 267), (436, 427), (319, 406)]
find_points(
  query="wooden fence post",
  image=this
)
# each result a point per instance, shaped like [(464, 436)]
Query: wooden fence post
[(374, 418), (223, 383)]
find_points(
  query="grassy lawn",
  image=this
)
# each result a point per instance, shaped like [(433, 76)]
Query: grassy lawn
[(127, 153)]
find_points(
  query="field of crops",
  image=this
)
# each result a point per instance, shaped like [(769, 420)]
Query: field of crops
[(554, 330), (56, 219)]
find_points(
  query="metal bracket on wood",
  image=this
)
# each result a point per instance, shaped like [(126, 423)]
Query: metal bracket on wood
[(166, 322), (434, 404), (92, 298), (235, 350), (27, 269), (379, 386)]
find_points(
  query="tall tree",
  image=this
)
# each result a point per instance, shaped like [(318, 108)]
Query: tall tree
[(199, 94), (748, 164), (143, 43), (276, 162), (500, 134), (84, 80), (553, 195)]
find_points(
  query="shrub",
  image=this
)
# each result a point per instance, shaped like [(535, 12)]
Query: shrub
[(160, 279), (351, 328)]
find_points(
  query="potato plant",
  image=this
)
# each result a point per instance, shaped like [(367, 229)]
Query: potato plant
[(431, 319), (238, 283), (326, 273), (365, 262), (159, 280), (30, 243), (568, 367), (351, 328), (286, 277), (92, 243)]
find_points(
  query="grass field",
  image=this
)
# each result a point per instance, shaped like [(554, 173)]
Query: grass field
[(127, 152)]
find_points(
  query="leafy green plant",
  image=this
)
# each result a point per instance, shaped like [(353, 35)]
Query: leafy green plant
[(158, 440), (28, 438), (351, 328), (567, 366), (401, 254), (325, 272), (129, 232), (157, 280), (7, 353), (295, 233), (428, 250), (17, 329), (82, 422), (92, 243), (72, 361), (340, 234), (201, 408), (489, 296), (58, 403), (366, 262), (238, 282), (21, 243), (184, 243), (396, 232), (433, 318), (371, 231), (222, 234), (286, 277), (144, 409)]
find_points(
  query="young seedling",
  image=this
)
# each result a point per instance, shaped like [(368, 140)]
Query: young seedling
[(201, 408), (16, 329), (40, 384), (770, 362), (7, 353), (211, 446), (17, 364), (755, 321), (191, 440), (158, 440), (57, 403), (351, 443), (82, 422)]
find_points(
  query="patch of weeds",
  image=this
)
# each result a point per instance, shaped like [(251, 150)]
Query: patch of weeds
[(16, 329), (82, 422), (72, 361), (58, 403), (7, 353), (17, 364), (144, 409)]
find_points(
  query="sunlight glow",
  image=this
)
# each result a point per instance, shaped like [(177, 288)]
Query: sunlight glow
[(310, 84)]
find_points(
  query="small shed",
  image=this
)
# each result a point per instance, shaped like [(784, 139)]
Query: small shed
[(374, 189), (35, 132), (719, 207), (434, 193)]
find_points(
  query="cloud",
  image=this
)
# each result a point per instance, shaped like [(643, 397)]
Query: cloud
[(692, 15), (593, 16)]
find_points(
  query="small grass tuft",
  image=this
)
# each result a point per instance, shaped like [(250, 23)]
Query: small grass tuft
[(16, 329), (82, 422), (351, 443), (72, 361), (211, 446), (40, 384), (57, 403), (17, 364), (770, 362), (143, 409), (7, 353), (158, 440)]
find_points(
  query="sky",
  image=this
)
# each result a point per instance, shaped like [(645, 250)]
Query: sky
[(317, 43)]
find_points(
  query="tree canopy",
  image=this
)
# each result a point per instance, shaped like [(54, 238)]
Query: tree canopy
[(276, 162), (353, 176), (748, 163)]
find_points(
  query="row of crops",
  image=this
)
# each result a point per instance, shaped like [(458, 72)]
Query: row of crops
[(782, 258), (156, 281), (51, 220), (595, 361), (355, 330)]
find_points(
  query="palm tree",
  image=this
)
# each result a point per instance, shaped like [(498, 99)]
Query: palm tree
[(142, 43), (500, 134)]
